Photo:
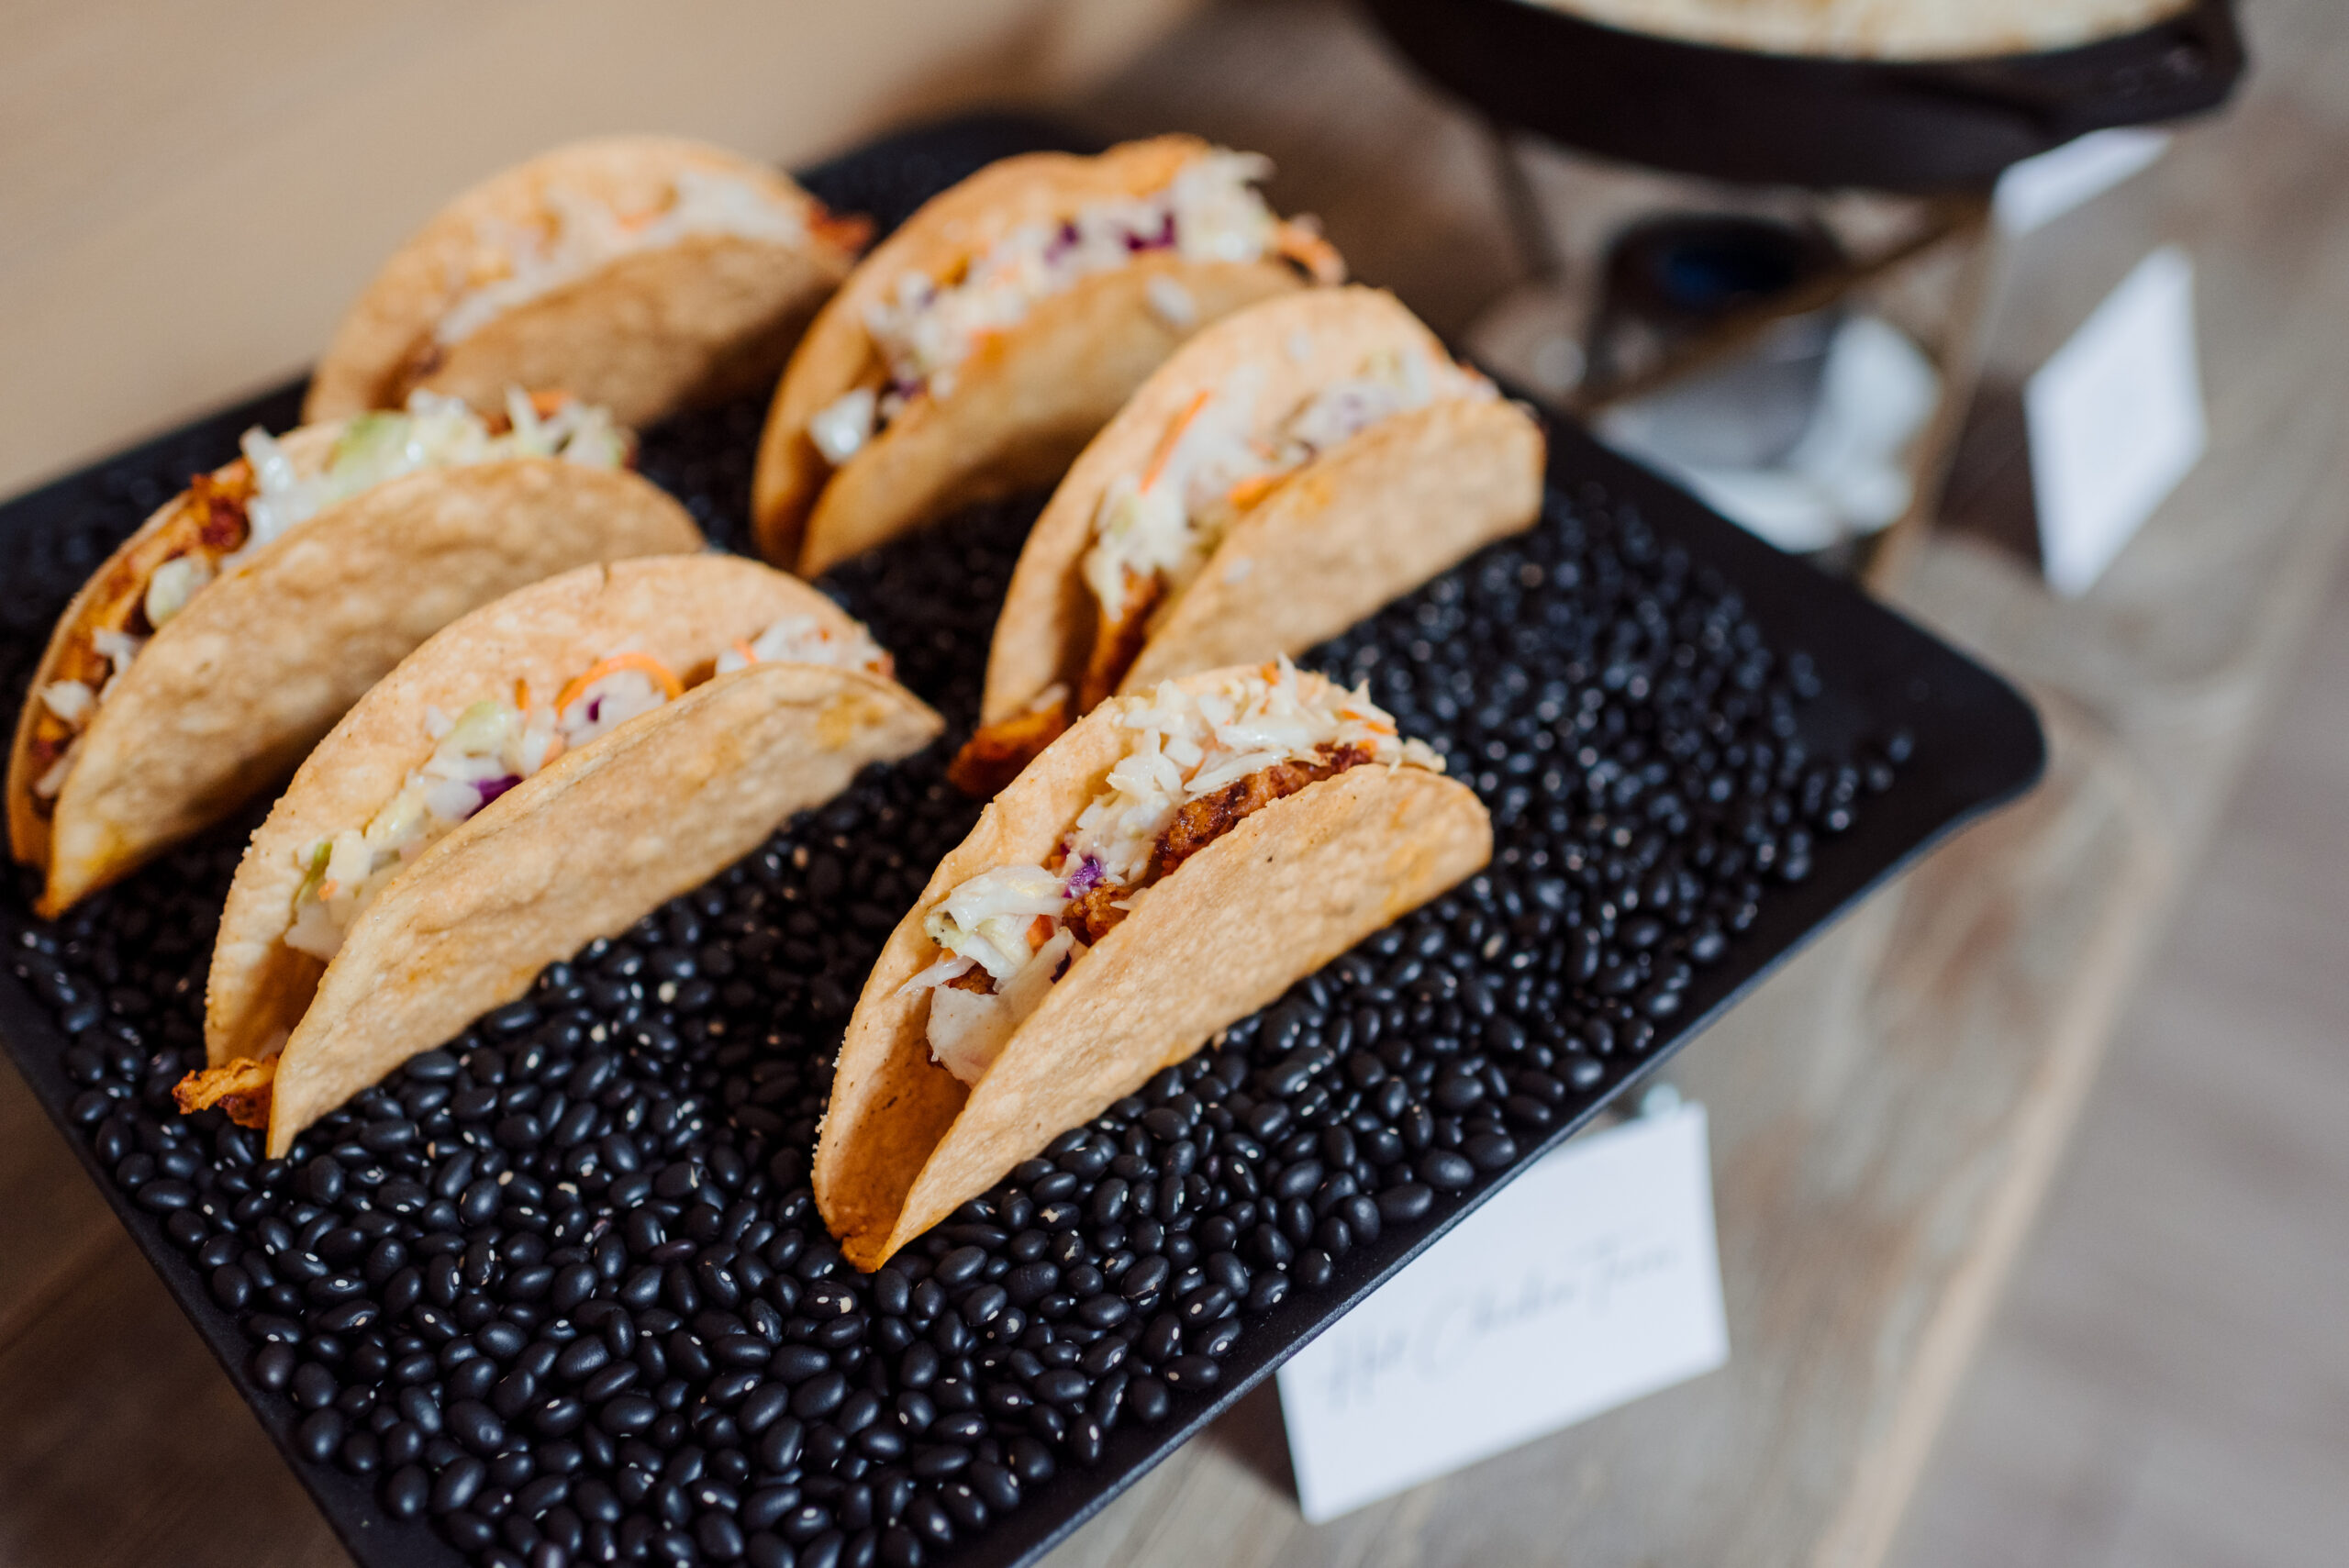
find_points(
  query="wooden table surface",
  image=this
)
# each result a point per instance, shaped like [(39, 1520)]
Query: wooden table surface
[(1885, 1112), (191, 195)]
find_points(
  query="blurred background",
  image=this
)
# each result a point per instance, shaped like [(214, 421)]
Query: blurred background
[(2031, 1175)]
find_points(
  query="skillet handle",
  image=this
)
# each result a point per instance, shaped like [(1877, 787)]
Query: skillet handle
[(2181, 66)]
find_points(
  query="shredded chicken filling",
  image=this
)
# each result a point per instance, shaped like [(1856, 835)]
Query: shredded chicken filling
[(1200, 764), (928, 327)]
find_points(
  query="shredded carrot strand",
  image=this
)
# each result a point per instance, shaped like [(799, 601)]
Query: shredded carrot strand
[(1312, 253), (549, 402), (671, 687), (850, 232), (1174, 436), (1251, 490), (742, 646)]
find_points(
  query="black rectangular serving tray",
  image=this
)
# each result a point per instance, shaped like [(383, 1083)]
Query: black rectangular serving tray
[(1976, 745)]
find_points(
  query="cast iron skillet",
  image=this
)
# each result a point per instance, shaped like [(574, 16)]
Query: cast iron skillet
[(1732, 114)]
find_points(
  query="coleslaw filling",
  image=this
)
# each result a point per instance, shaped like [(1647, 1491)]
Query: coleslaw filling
[(272, 496), (495, 743), (1197, 764), (925, 329), (514, 263), (1154, 531)]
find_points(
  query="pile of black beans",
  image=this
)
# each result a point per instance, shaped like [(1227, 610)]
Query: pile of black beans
[(560, 1287)]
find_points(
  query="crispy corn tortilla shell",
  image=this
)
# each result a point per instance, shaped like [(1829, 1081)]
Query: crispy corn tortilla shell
[(112, 600), (581, 851), (1285, 891), (645, 334), (1024, 404), (937, 241), (1404, 500), (226, 699), (1361, 524), (1064, 369), (681, 610)]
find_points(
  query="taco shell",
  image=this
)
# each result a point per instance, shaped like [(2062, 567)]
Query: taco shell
[(1289, 888), (1026, 400), (1401, 503), (1356, 526), (229, 695), (580, 850), (645, 332)]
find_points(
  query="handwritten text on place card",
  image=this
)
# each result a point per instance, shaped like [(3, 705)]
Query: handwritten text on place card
[(1590, 1281)]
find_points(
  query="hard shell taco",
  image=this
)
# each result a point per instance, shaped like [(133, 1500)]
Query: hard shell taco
[(230, 632), (1282, 475), (1169, 865), (975, 350), (540, 773), (643, 273)]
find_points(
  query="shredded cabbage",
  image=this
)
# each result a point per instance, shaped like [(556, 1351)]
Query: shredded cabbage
[(804, 640), (1186, 745), (433, 432), (1162, 525), (1208, 212), (373, 448), (491, 747), (495, 744)]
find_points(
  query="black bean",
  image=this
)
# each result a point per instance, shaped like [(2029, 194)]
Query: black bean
[(467, 1530), (1190, 1372), (476, 1426), (997, 1487), (1146, 1277), (313, 1387), (779, 1446), (502, 1341), (1445, 1171), (1491, 1151), (406, 1491), (457, 1484), (959, 1266), (318, 1434), (581, 1359), (819, 1396), (967, 1426), (1401, 1204), (626, 1414), (718, 1536)]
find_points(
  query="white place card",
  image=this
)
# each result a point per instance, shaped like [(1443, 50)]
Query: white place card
[(2040, 190), (2115, 421), (1590, 1280)]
